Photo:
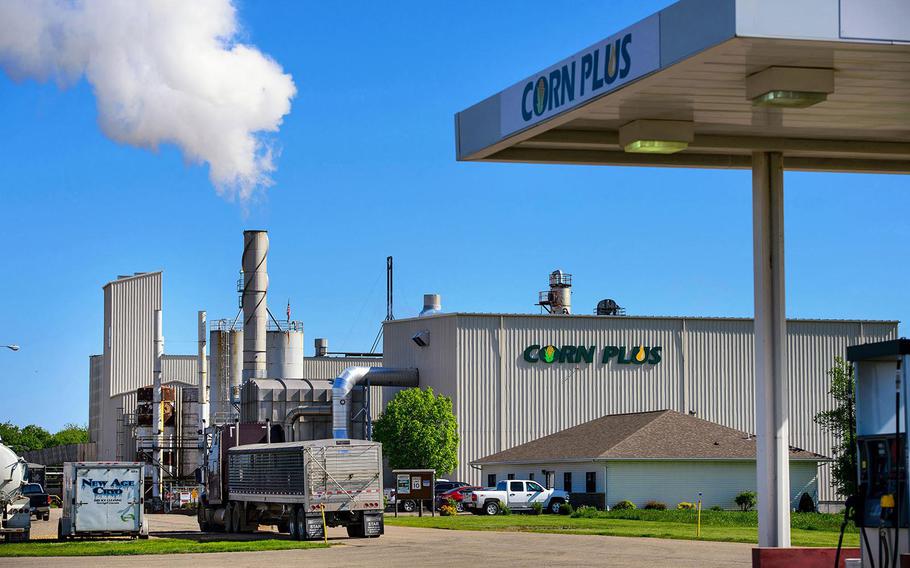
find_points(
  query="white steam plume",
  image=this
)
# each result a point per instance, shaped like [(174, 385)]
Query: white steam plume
[(163, 71)]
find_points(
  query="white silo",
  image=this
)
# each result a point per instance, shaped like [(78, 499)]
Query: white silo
[(225, 370), (284, 351)]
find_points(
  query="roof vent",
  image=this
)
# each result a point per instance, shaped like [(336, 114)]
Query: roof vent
[(432, 304)]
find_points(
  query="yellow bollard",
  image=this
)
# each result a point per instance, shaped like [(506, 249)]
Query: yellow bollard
[(325, 533)]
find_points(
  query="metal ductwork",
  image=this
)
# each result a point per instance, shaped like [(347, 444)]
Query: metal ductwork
[(432, 304), (377, 377), (255, 305)]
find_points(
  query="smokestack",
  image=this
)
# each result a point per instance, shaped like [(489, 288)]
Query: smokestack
[(322, 346), (432, 304), (157, 423), (202, 363), (255, 306)]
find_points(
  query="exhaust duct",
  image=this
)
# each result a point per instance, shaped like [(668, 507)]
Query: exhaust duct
[(350, 377)]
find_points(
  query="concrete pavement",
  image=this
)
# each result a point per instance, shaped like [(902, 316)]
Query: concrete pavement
[(404, 546)]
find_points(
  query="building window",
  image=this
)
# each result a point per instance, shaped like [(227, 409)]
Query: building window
[(567, 481), (491, 480), (510, 476), (531, 476), (591, 482)]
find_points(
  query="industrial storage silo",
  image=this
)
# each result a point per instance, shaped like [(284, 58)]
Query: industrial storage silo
[(284, 351), (225, 370)]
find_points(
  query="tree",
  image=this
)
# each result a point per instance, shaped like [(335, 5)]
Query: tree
[(418, 430), (840, 421), (70, 434)]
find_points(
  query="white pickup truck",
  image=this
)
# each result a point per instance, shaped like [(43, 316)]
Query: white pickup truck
[(518, 495)]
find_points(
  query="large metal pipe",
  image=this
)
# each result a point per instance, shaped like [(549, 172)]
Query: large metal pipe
[(202, 364), (157, 422), (377, 377), (255, 305)]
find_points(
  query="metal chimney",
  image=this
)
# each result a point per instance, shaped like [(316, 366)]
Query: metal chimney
[(255, 313), (432, 304), (322, 346), (202, 364), (157, 420)]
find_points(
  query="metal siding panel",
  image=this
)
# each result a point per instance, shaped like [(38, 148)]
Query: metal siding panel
[(708, 361)]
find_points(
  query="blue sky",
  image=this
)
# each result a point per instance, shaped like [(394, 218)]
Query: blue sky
[(367, 169)]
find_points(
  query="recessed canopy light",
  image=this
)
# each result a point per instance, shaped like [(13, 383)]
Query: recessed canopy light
[(789, 99), (647, 136), (655, 146)]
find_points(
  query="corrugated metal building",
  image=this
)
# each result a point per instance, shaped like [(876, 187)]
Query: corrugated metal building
[(706, 367), (127, 364)]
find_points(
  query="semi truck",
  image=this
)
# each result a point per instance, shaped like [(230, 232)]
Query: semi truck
[(102, 499), (15, 508), (298, 487)]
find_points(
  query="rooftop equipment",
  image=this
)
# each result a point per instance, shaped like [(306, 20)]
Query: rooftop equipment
[(432, 304), (322, 346), (558, 299), (609, 307)]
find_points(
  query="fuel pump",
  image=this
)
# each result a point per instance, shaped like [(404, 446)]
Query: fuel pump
[(881, 506)]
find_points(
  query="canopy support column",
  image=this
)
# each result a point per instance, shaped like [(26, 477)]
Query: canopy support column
[(771, 387)]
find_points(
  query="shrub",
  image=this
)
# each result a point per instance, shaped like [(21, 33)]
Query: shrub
[(624, 505), (448, 511), (504, 509), (655, 506), (746, 500), (536, 508), (716, 508), (685, 506), (806, 504), (566, 509), (585, 512)]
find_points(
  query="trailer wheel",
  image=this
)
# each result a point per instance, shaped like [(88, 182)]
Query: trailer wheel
[(301, 523), (355, 530), (294, 524), (237, 520), (408, 506)]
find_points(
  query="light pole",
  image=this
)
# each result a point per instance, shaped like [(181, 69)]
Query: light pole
[(12, 347)]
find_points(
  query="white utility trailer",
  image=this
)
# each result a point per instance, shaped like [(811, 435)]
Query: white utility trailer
[(102, 499), (15, 512)]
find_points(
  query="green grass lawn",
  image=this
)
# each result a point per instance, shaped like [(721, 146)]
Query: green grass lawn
[(151, 546), (727, 526)]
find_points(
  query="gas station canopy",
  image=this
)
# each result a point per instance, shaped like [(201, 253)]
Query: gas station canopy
[(821, 85), (704, 83)]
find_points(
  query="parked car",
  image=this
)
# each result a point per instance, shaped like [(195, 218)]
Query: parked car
[(444, 485), (39, 501), (457, 494), (518, 495)]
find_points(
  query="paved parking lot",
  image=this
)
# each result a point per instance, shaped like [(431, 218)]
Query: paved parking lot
[(402, 546)]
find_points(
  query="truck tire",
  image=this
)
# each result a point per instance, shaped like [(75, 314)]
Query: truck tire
[(491, 508), (237, 520), (229, 518), (294, 524), (60, 536), (555, 506), (355, 530), (301, 523)]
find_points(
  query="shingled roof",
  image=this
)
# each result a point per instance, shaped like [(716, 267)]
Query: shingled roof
[(662, 434)]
